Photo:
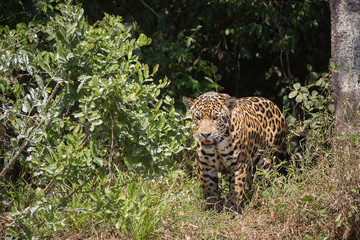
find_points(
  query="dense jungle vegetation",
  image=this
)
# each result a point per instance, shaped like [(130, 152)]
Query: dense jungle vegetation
[(96, 144)]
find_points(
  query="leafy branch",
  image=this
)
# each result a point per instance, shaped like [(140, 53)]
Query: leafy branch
[(30, 135)]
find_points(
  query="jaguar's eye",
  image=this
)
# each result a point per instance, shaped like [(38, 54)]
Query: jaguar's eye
[(197, 118)]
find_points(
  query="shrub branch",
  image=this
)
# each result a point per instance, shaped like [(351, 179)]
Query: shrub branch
[(30, 136)]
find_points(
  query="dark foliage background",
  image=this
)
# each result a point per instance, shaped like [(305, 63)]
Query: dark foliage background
[(241, 47), (255, 47)]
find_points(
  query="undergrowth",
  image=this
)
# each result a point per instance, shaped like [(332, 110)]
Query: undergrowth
[(320, 201)]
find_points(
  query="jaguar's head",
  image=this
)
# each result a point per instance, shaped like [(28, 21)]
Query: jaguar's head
[(211, 114)]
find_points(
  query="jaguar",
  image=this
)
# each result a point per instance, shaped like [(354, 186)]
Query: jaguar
[(233, 136)]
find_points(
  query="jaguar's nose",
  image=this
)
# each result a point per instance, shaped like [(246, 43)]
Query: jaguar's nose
[(205, 135)]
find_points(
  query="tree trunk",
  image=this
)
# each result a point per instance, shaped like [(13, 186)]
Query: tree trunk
[(345, 52)]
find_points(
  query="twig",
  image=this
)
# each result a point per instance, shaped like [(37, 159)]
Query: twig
[(288, 64), (152, 10), (14, 44), (72, 193), (111, 150), (49, 187), (27, 140), (77, 210), (64, 199)]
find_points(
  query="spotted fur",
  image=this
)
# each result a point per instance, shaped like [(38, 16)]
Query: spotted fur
[(230, 133)]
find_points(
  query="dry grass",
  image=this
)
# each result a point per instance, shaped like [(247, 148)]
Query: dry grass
[(320, 202)]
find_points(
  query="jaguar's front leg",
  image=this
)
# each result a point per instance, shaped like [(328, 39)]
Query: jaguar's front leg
[(238, 179), (209, 180)]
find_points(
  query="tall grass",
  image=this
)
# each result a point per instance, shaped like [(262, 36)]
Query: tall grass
[(319, 201)]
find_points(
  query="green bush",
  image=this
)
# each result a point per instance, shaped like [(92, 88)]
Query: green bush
[(78, 108), (314, 99), (88, 78)]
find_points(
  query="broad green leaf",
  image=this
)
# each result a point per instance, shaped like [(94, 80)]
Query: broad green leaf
[(39, 193), (142, 40), (293, 94), (331, 108), (297, 86), (299, 98), (158, 105), (309, 67), (44, 65)]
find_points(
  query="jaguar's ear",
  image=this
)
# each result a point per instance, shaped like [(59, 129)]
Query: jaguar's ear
[(230, 103), (188, 102)]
